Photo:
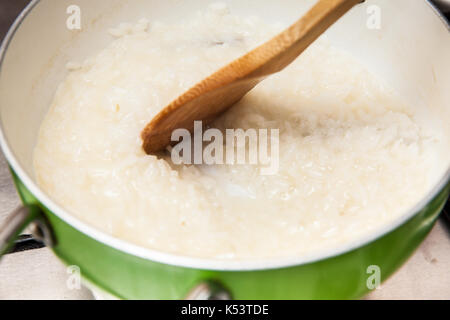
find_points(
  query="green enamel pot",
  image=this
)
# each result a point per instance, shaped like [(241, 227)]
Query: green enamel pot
[(410, 50)]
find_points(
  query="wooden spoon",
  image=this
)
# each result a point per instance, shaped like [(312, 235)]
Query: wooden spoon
[(213, 96)]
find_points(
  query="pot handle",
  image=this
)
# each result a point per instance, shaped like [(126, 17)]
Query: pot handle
[(209, 290), (17, 221)]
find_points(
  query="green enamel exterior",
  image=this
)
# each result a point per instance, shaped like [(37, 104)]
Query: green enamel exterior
[(343, 277)]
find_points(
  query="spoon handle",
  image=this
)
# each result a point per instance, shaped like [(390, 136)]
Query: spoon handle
[(282, 50)]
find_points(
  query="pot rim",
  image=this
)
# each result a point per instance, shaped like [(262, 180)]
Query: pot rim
[(186, 261)]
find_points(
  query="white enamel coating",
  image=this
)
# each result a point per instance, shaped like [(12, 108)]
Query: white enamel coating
[(413, 38)]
